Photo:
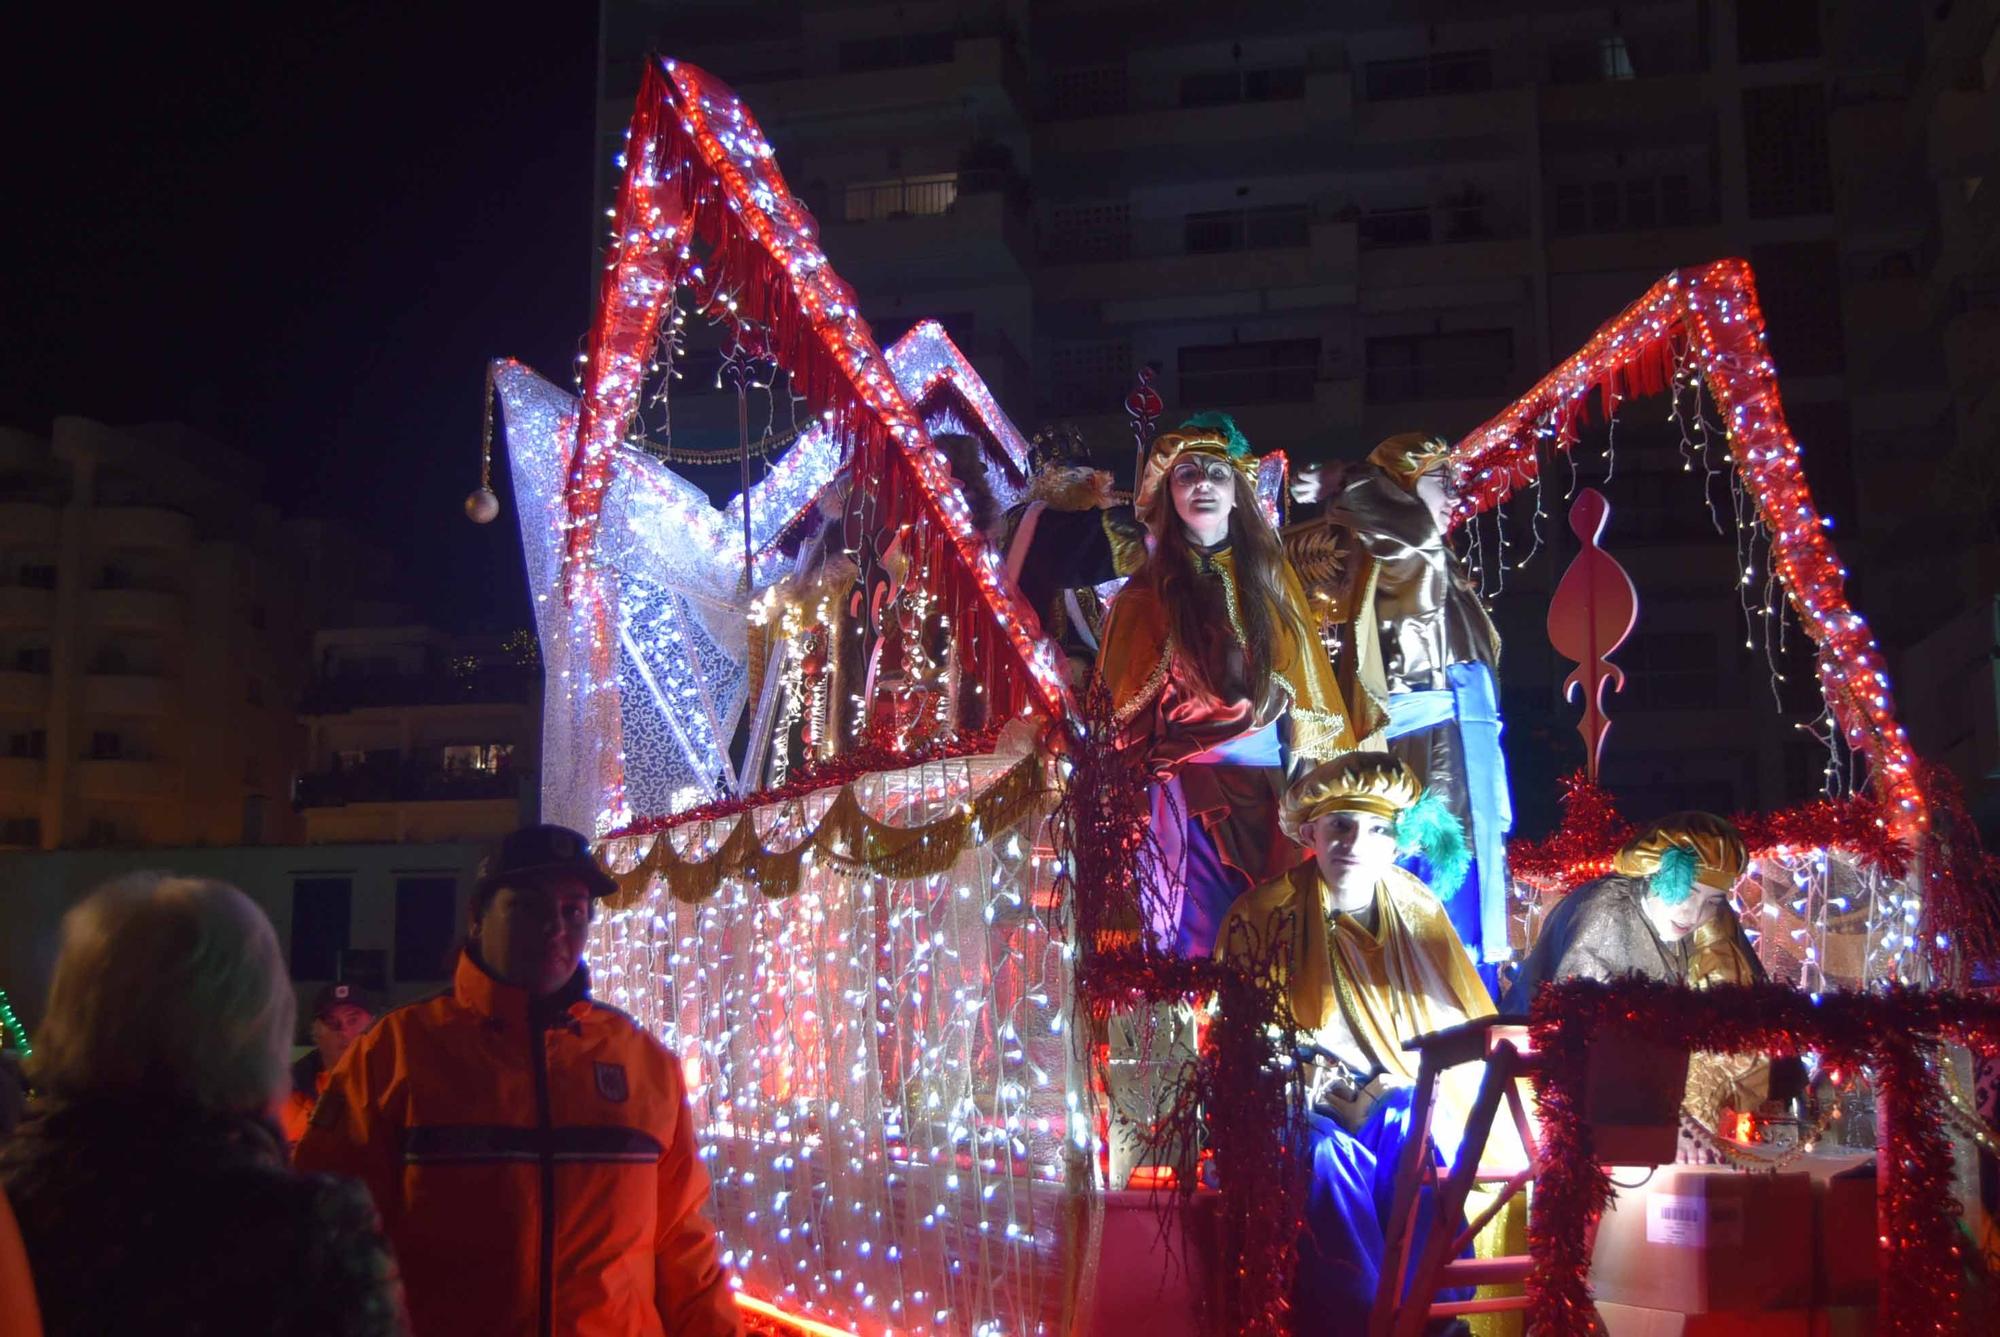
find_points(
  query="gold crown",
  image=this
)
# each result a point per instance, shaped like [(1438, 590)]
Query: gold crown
[(1370, 782), (1408, 456), (1170, 446), (1717, 848)]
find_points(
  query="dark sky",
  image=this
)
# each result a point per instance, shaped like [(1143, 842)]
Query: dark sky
[(303, 229)]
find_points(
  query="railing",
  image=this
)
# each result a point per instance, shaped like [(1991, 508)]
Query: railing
[(922, 196), (1427, 76), (1461, 220), (402, 782), (495, 685), (1248, 229)]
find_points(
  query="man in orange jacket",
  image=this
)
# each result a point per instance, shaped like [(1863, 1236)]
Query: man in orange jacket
[(340, 1013), (531, 1151)]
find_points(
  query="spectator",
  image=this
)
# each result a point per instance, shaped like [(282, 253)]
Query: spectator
[(340, 1013), (530, 1149), (150, 1181), (13, 1095)]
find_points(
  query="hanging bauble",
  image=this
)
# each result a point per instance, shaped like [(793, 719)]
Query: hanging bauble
[(481, 506)]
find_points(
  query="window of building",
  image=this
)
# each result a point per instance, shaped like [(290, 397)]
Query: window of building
[(320, 917), (38, 575), (1428, 76), (1090, 377), (1798, 285), (1785, 151), (31, 659), (1768, 30), (106, 745), (33, 743), (1090, 232), (1272, 226), (1633, 202), (1089, 90), (1380, 229), (1439, 366), (897, 51), (24, 832), (490, 758), (1266, 371), (111, 659), (102, 833), (426, 926), (907, 197), (1214, 88)]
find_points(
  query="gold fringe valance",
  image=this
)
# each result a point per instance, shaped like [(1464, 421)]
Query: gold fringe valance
[(845, 837)]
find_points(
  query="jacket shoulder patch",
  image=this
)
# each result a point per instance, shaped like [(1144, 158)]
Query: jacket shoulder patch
[(611, 1082)]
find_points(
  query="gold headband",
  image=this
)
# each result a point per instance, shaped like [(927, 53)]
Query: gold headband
[(1408, 456), (1168, 447), (1370, 782), (1717, 848)]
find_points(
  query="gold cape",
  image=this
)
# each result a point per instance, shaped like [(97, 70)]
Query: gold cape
[(1159, 707)]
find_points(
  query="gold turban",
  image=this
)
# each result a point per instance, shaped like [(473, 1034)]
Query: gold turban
[(1717, 848), (1170, 446), (1370, 782), (1408, 456)]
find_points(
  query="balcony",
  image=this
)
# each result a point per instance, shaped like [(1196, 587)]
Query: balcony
[(961, 227), (1149, 117), (128, 694), (124, 777), (1322, 270), (404, 781), (982, 80), (23, 693), (26, 606), (22, 775), (1482, 114), (141, 527), (28, 523), (152, 610), (333, 696)]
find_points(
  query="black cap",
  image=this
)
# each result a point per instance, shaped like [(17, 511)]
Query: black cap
[(543, 851), (331, 996)]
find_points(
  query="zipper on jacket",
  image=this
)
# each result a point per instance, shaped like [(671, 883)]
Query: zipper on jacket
[(538, 1059)]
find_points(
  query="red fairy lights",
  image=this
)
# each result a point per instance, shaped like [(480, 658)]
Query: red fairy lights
[(1709, 316)]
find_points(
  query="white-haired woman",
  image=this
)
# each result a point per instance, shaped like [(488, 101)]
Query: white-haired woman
[(150, 1181)]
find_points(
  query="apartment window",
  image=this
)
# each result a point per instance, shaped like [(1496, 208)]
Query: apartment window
[(1091, 232), (1380, 229), (38, 575), (898, 51), (426, 926), (1268, 371), (21, 831), (486, 758), (106, 745), (1592, 61), (320, 915), (1215, 88), (1635, 202), (909, 197), (1798, 285), (32, 743), (1090, 90), (31, 659), (1090, 378), (111, 659), (1428, 76), (1272, 226), (1785, 149), (1770, 30), (101, 833), (1439, 366)]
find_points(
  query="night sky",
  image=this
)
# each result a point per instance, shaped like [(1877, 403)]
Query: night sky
[(303, 230)]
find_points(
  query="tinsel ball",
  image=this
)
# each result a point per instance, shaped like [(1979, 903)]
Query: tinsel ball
[(481, 506)]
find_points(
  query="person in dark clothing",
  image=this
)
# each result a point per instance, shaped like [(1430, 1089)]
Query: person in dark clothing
[(340, 1013), (150, 1182)]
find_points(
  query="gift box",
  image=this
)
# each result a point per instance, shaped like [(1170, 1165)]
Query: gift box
[(1848, 1259), (1707, 1239), (1638, 1321)]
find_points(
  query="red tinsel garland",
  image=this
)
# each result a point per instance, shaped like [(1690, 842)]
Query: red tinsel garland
[(1892, 1033)]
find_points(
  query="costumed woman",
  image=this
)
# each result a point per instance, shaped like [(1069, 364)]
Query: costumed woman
[(1214, 671), (1416, 652), (1367, 960)]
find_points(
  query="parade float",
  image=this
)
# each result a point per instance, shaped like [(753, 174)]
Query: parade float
[(871, 845)]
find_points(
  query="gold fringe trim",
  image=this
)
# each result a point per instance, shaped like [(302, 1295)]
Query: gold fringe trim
[(846, 838)]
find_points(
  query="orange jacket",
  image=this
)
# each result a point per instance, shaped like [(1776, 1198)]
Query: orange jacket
[(535, 1180)]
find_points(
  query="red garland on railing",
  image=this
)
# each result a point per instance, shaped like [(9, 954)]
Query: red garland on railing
[(1893, 1033)]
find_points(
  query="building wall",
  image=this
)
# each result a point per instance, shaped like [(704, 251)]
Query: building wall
[(152, 636), (292, 883), (1340, 222)]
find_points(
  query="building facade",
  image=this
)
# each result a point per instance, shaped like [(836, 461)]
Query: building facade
[(1340, 222), (152, 642)]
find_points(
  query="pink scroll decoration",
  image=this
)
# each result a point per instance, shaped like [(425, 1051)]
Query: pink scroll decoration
[(1593, 611)]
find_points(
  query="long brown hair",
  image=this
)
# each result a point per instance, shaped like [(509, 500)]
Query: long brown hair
[(1196, 607)]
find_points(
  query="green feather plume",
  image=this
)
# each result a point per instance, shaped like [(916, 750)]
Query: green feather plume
[(1428, 827), (1674, 882), (1223, 426)]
